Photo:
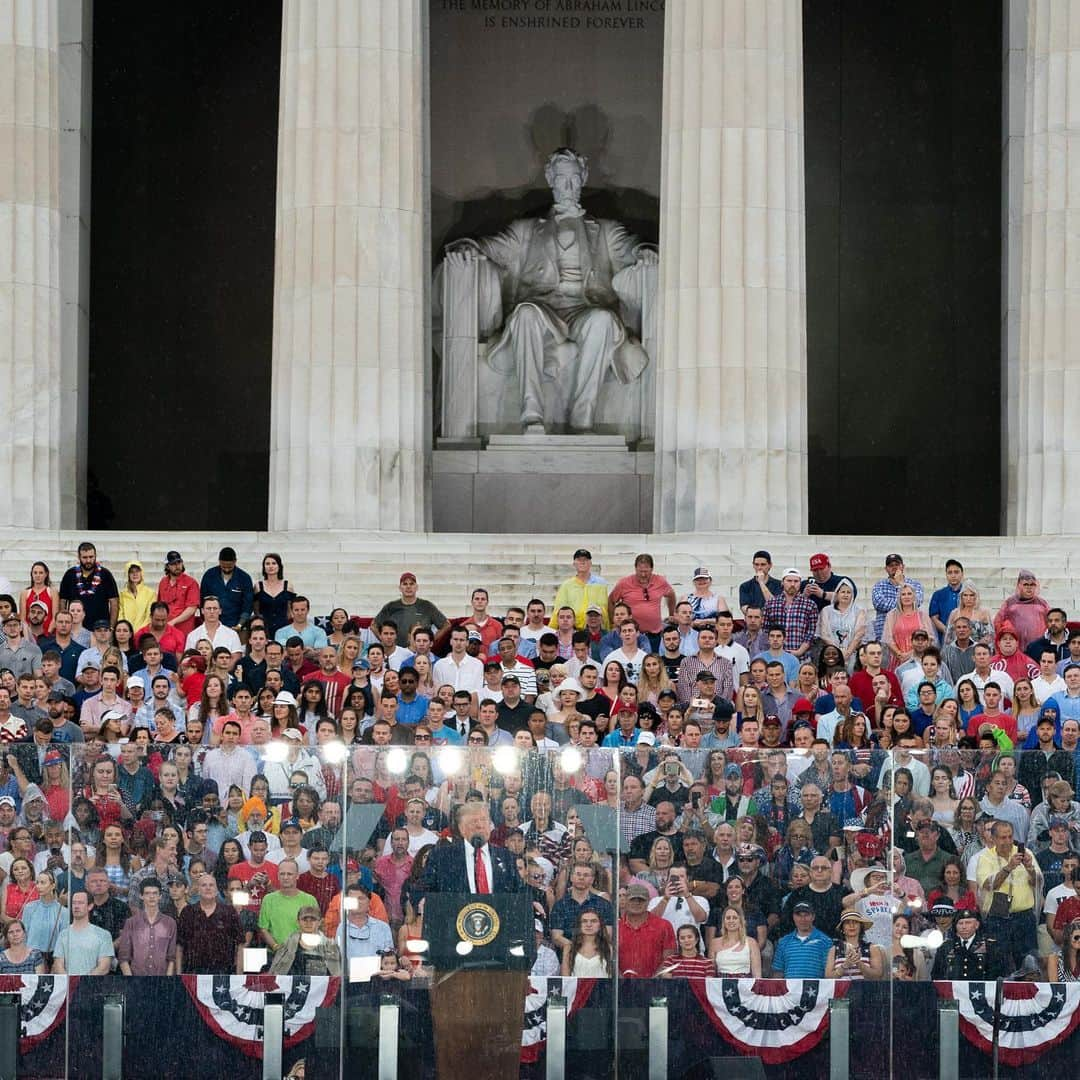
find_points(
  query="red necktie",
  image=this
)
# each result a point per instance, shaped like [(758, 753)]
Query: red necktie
[(481, 873)]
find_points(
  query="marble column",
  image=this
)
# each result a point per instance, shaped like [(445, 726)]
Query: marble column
[(348, 436), (731, 423), (76, 22), (1044, 440), (36, 450)]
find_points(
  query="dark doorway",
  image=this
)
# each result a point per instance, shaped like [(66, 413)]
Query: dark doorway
[(903, 264), (185, 112)]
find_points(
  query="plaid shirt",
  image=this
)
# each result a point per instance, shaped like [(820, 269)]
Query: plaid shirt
[(721, 667), (633, 823), (799, 618)]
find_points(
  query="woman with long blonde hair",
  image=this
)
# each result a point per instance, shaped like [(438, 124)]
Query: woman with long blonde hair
[(348, 653), (425, 687), (748, 703), (902, 622), (653, 679), (735, 954)]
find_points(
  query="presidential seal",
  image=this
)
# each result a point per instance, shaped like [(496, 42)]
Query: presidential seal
[(478, 923)]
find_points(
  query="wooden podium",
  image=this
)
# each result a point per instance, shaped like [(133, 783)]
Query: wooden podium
[(482, 948), (478, 1017)]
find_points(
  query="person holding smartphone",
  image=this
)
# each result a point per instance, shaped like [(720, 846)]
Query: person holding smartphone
[(669, 782)]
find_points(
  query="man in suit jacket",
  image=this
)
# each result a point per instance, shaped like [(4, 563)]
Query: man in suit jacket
[(452, 868)]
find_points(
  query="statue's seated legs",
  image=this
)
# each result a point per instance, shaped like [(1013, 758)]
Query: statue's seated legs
[(573, 347), (529, 326), (597, 332)]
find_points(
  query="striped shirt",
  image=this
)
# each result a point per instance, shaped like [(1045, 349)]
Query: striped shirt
[(802, 958)]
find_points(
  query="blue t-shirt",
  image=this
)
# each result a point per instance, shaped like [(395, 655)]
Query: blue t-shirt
[(944, 602), (790, 662), (802, 959), (920, 721)]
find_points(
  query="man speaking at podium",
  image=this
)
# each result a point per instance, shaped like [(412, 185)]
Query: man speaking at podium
[(492, 1000), (470, 864)]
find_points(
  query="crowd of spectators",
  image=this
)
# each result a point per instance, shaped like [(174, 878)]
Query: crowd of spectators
[(799, 784)]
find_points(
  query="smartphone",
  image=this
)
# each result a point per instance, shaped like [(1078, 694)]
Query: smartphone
[(695, 799), (700, 703), (671, 768)]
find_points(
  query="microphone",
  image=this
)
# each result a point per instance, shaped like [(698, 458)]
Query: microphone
[(477, 842)]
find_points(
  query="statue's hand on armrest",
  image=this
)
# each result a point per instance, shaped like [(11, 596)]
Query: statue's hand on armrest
[(647, 255), (462, 252)]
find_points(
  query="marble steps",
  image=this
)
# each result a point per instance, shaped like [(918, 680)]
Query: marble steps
[(361, 569)]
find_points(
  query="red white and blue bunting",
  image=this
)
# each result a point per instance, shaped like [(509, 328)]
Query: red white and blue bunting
[(773, 1019), (232, 1005), (42, 1006), (1034, 1016), (534, 1032)]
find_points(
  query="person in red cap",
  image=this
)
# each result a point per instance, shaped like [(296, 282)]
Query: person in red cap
[(1026, 610), (1010, 658), (821, 585), (410, 610)]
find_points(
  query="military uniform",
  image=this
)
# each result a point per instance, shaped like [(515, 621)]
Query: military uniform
[(981, 960)]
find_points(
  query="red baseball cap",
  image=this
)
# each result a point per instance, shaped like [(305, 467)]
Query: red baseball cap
[(407, 576), (819, 561), (802, 705)]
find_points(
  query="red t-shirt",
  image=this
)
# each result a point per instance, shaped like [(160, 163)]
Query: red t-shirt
[(170, 639), (179, 594), (245, 872), (1005, 721), (862, 687), (648, 613), (334, 686), (324, 889), (489, 633), (307, 670), (192, 685), (641, 950), (1066, 912)]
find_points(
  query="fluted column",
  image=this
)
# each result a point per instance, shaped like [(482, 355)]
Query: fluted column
[(1046, 433), (348, 432), (35, 450), (731, 425)]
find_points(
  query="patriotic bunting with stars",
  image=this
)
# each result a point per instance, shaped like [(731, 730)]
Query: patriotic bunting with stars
[(43, 1002), (232, 1005), (1034, 1016), (534, 1033), (773, 1019)]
